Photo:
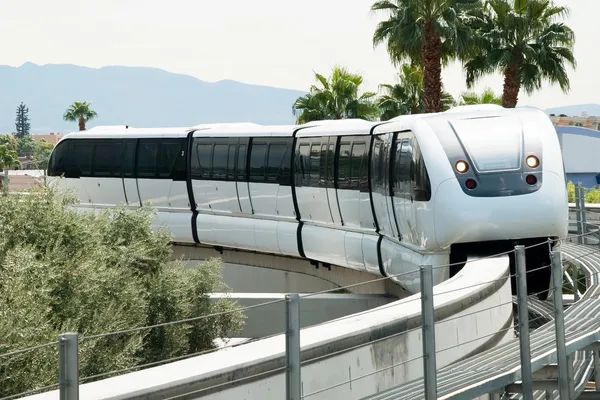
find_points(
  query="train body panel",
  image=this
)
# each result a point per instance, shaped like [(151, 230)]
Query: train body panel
[(382, 197)]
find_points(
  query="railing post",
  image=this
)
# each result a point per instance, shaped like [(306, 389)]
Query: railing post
[(428, 327), (597, 369), (578, 214), (292, 347), (68, 371), (584, 228), (523, 312), (559, 325)]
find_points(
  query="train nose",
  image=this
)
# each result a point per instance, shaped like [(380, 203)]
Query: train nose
[(461, 218)]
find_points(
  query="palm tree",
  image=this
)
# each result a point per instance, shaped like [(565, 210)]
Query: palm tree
[(429, 33), (81, 112), (406, 97), (487, 97), (337, 98), (526, 42)]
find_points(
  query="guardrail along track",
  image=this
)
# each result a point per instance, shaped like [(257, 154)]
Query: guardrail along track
[(491, 370)]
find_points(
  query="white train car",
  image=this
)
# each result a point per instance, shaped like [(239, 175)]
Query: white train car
[(384, 197)]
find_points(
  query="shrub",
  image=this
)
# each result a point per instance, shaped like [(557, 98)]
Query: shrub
[(65, 271)]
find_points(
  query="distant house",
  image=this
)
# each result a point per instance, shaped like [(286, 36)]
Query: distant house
[(50, 137), (581, 154)]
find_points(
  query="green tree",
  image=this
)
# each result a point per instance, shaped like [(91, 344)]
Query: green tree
[(406, 97), (8, 157), (429, 33), (526, 41), (487, 97), (80, 112), (22, 123), (68, 271), (41, 156), (26, 146), (337, 98)]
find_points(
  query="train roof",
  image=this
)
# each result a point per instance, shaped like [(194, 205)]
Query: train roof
[(342, 127)]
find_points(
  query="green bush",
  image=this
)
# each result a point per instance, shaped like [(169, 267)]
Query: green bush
[(592, 196), (63, 271)]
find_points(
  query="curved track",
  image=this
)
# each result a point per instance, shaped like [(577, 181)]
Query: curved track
[(493, 369)]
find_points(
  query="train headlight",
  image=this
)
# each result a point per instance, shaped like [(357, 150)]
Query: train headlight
[(532, 161), (462, 166)]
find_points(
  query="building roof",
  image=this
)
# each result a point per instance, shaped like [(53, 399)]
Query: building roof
[(576, 130)]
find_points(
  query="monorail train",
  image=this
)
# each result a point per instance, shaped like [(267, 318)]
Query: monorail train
[(383, 197)]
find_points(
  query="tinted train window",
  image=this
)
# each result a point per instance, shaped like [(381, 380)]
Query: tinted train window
[(315, 163), (129, 159), (344, 166), (219, 161), (231, 162), (410, 178), (171, 162), (81, 156), (359, 167), (257, 162), (303, 165), (146, 160), (201, 159), (278, 164), (60, 161), (241, 163), (330, 165), (107, 159)]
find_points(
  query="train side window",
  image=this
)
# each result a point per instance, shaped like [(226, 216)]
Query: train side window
[(171, 161), (146, 160), (231, 162), (81, 154), (60, 161), (107, 159), (275, 162), (219, 162), (315, 164), (323, 166), (302, 169), (344, 166), (201, 158), (330, 165), (359, 168), (241, 164), (129, 159), (420, 178), (377, 164), (257, 162)]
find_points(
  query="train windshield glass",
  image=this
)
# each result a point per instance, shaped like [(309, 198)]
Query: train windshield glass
[(493, 144)]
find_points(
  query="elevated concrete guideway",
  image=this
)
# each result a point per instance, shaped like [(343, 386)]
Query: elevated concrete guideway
[(270, 319)]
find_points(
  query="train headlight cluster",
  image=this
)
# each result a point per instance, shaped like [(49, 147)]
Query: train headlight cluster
[(532, 161), (462, 166)]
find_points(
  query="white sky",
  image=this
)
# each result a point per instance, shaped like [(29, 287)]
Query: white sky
[(269, 42)]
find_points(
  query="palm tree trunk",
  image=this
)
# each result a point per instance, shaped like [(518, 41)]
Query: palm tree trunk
[(432, 69), (81, 124), (510, 97)]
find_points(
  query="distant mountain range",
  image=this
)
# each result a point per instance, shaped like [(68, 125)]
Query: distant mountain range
[(135, 96), (148, 97)]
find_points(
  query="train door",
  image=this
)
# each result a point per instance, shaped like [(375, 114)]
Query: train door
[(401, 184), (380, 166), (132, 195), (332, 199), (243, 186)]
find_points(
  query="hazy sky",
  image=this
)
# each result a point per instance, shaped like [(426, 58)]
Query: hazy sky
[(268, 42)]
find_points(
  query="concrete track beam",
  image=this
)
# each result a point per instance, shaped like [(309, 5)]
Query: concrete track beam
[(340, 276), (270, 319)]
